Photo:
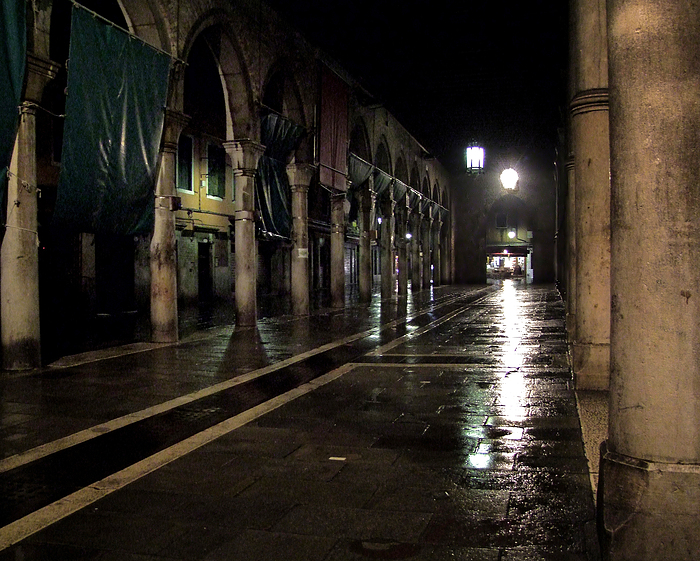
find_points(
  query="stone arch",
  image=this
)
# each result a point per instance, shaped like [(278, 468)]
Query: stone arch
[(359, 141), (436, 193), (235, 79), (443, 198), (281, 95), (383, 157), (425, 187), (401, 171), (415, 178)]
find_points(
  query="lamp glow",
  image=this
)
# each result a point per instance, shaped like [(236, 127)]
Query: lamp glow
[(511, 234), (509, 178)]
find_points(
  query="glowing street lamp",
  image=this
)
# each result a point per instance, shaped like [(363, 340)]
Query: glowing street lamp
[(509, 179), (475, 159)]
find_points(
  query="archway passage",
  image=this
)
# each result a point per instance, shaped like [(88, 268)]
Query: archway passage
[(508, 240)]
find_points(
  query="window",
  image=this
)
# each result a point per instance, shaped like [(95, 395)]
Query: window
[(216, 164), (184, 163), (501, 220)]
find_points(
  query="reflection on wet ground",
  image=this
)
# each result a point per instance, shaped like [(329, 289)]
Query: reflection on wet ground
[(452, 433)]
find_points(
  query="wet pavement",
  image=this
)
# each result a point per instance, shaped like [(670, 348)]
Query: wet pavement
[(443, 426)]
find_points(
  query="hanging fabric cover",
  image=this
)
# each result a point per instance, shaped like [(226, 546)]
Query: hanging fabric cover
[(117, 88), (400, 189), (280, 136), (333, 131), (13, 56), (414, 199), (359, 171), (382, 181)]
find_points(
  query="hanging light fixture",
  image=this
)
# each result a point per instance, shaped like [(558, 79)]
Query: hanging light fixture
[(475, 157)]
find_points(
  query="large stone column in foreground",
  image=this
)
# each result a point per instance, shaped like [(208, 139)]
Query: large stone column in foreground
[(19, 256), (245, 155), (651, 471), (164, 324), (590, 131)]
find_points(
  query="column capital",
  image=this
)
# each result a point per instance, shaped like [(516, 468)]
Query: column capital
[(175, 122), (40, 71), (300, 175), (244, 154)]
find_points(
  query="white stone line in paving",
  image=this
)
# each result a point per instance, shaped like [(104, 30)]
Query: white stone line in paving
[(50, 514)]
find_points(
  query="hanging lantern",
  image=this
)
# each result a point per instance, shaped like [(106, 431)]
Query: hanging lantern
[(475, 159)]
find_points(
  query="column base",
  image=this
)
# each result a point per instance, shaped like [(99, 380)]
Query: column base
[(591, 364), (648, 511)]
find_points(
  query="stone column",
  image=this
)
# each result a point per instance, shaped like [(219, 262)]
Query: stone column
[(402, 244), (437, 260), (445, 271), (651, 467), (338, 250), (244, 156), (19, 256), (300, 176), (366, 204), (387, 246), (571, 252), (589, 114), (427, 224), (415, 246), (163, 258)]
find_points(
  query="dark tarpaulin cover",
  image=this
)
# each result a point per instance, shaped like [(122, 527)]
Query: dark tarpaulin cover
[(117, 88), (13, 56), (333, 135), (359, 171), (280, 136)]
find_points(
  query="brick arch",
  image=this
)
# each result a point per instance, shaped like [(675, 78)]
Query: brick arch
[(241, 121), (415, 178), (281, 94), (425, 187), (401, 171), (382, 157), (148, 21), (359, 140)]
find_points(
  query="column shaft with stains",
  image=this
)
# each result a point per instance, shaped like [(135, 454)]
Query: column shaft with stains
[(164, 324), (651, 466), (590, 126), (244, 156)]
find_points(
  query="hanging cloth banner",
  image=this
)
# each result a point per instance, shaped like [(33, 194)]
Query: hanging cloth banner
[(400, 189), (13, 57), (359, 171), (382, 181), (333, 135), (280, 136), (117, 88), (414, 198)]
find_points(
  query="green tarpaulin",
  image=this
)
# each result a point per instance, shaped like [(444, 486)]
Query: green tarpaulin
[(280, 136), (117, 88), (13, 56)]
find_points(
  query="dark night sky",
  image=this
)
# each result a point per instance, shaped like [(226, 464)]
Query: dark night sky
[(493, 71)]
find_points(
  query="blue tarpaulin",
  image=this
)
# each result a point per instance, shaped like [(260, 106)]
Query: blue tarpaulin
[(117, 88)]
